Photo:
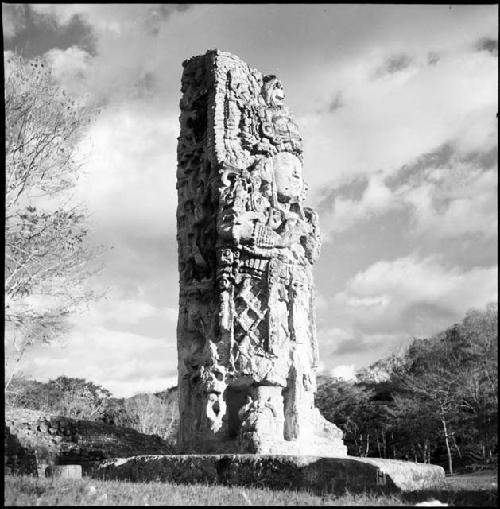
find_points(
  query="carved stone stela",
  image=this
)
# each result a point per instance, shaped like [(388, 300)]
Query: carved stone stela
[(246, 338)]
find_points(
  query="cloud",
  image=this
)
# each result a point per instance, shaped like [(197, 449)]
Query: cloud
[(448, 194), (464, 202), (126, 311), (377, 198), (13, 19), (345, 372), (105, 17), (129, 158), (451, 193), (386, 123), (394, 63), (402, 162), (382, 307), (119, 70), (488, 44), (350, 340), (351, 346), (379, 299), (70, 68), (336, 103), (123, 362), (130, 166), (32, 31), (127, 59), (432, 58)]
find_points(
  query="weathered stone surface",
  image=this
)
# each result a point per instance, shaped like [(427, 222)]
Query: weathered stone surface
[(18, 459), (34, 441), (65, 471), (247, 348), (321, 475)]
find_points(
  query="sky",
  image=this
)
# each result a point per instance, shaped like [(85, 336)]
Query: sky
[(397, 106)]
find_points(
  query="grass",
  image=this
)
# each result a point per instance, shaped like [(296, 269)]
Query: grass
[(483, 480), (25, 491), (478, 489)]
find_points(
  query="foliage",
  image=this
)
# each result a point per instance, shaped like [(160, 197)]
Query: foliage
[(152, 414), (25, 393), (349, 406), (78, 398), (114, 412), (70, 397), (437, 401), (47, 258)]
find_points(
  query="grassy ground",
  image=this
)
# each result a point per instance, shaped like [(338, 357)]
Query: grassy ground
[(482, 480), (22, 491), (462, 490), (475, 489)]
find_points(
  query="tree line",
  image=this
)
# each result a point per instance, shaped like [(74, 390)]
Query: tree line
[(81, 399), (437, 402)]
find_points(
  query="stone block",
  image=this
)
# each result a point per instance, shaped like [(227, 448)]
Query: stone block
[(65, 471), (313, 473)]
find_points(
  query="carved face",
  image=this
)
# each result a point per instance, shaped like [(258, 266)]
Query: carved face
[(288, 175), (273, 93)]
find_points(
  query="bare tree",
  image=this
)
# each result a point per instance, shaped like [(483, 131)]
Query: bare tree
[(152, 415), (48, 260)]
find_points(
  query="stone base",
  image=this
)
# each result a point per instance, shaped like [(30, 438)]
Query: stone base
[(313, 473), (64, 471)]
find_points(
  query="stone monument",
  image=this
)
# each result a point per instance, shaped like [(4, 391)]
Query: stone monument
[(246, 338)]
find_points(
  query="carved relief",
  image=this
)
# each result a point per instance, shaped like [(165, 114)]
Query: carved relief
[(246, 334)]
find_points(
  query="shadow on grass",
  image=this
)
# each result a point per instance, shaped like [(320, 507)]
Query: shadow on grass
[(454, 497)]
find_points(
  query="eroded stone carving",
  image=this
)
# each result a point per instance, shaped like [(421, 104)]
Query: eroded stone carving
[(246, 336)]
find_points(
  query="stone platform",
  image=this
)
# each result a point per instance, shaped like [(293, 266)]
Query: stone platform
[(314, 473)]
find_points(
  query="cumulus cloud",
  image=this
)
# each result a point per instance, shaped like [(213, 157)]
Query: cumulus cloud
[(343, 213), (378, 298), (374, 88), (382, 307), (98, 49), (447, 193), (105, 17), (127, 311), (70, 68), (336, 103), (353, 347), (488, 44), (456, 202), (123, 362), (32, 32), (393, 64), (420, 107), (345, 372), (13, 19), (130, 164)]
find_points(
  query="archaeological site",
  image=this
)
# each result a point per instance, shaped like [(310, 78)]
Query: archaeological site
[(246, 334)]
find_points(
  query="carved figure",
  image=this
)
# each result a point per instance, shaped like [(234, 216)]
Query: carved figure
[(246, 333)]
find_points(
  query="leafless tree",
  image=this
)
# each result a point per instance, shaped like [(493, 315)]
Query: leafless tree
[(48, 260)]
